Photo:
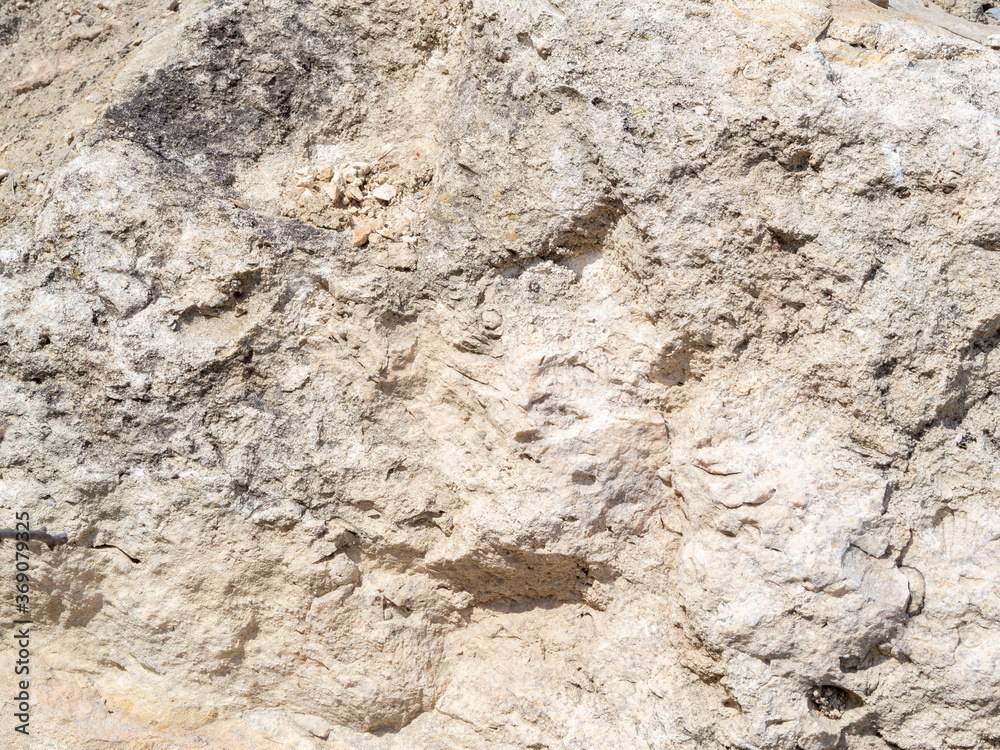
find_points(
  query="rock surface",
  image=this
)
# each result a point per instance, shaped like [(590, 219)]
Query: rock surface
[(524, 374)]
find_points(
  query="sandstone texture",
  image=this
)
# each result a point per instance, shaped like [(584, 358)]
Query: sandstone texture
[(568, 374)]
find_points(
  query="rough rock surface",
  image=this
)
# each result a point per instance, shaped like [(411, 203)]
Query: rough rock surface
[(503, 373), (973, 10)]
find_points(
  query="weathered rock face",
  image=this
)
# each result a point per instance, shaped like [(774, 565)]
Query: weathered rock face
[(504, 374), (973, 10)]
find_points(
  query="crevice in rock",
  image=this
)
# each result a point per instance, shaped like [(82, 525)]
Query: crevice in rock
[(853, 665), (135, 560), (517, 575), (588, 232), (789, 240)]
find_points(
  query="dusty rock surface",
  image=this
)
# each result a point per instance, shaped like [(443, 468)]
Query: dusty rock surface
[(536, 374)]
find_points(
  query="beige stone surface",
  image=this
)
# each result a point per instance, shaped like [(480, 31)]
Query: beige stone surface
[(657, 407)]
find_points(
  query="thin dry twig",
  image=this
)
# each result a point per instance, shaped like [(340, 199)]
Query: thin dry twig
[(37, 535)]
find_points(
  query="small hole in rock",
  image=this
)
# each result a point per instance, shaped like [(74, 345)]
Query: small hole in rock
[(832, 701)]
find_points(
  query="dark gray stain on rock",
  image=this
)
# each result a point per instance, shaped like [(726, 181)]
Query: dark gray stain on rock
[(236, 97)]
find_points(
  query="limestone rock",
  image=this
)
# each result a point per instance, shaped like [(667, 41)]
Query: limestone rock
[(384, 193), (468, 374)]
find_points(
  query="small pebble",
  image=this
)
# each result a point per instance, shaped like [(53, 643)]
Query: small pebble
[(360, 236), (332, 190), (385, 192)]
